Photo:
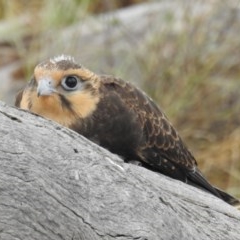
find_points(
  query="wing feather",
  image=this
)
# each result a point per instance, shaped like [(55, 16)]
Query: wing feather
[(160, 136)]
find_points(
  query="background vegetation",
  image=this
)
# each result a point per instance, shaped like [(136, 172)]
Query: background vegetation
[(194, 74)]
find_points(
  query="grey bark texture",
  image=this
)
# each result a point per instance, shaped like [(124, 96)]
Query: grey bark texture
[(55, 184)]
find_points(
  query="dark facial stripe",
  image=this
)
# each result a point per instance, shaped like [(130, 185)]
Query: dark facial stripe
[(65, 103)]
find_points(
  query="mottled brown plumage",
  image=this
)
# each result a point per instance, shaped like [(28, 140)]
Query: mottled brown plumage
[(113, 114)]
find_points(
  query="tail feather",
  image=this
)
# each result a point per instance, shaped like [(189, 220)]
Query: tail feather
[(228, 198), (197, 179)]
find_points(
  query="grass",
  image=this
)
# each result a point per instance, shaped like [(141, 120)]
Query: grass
[(193, 74)]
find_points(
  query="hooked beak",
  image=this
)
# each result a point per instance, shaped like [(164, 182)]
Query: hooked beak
[(45, 87)]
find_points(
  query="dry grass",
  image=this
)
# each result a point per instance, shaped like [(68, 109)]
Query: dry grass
[(199, 88)]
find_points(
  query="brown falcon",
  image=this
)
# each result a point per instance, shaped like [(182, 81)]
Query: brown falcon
[(114, 114)]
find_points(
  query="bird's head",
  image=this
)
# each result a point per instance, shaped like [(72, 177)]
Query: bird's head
[(61, 90)]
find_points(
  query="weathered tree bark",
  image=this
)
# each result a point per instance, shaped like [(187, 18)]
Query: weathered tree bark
[(55, 184)]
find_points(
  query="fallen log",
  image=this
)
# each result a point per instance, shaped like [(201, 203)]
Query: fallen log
[(55, 184)]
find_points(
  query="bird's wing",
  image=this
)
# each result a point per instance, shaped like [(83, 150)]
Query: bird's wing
[(162, 146)]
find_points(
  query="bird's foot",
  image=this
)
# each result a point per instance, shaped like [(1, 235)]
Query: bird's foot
[(135, 162)]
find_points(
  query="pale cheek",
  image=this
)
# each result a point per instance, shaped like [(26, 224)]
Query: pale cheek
[(50, 107), (83, 105)]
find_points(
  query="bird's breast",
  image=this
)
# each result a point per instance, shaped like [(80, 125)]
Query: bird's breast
[(113, 126)]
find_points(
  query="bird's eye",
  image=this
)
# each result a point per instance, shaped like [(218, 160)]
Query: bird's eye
[(70, 83)]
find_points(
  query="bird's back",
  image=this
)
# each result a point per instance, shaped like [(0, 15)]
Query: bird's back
[(160, 145), (148, 136)]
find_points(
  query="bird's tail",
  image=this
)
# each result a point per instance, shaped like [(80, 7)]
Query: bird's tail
[(228, 198), (197, 179)]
